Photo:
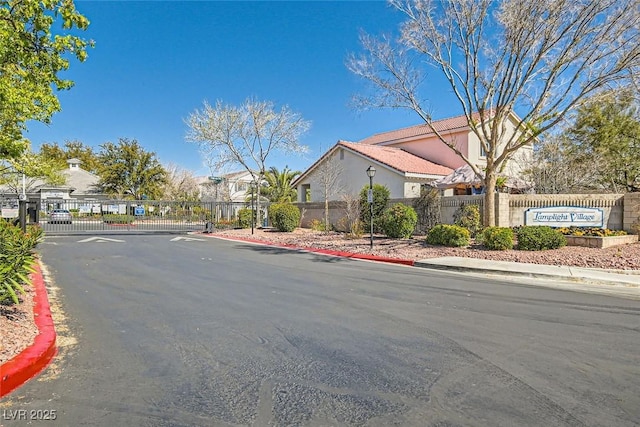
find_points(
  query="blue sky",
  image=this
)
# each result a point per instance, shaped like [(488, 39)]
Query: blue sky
[(155, 62)]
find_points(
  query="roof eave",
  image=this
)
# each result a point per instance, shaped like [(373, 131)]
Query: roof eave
[(422, 175)]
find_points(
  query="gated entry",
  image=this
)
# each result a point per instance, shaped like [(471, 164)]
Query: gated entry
[(124, 216)]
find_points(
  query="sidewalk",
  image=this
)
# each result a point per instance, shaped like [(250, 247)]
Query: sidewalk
[(629, 280)]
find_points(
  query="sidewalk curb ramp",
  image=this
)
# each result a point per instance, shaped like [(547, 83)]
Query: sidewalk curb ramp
[(33, 359)]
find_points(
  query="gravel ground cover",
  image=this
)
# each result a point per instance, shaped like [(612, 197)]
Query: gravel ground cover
[(625, 257)]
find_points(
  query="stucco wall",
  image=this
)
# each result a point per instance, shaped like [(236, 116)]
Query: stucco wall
[(449, 205), (611, 205), (620, 211), (510, 208), (353, 177), (631, 215), (315, 211), (436, 151)]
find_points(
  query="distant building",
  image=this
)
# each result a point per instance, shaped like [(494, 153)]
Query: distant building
[(80, 185), (230, 191)]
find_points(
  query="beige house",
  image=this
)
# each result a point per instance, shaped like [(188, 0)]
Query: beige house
[(231, 192), (80, 185), (404, 160), (342, 170), (232, 187)]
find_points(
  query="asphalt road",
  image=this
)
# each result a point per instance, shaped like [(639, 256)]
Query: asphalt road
[(209, 332)]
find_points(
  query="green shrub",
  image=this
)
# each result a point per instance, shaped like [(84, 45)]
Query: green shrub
[(224, 224), (449, 235), (468, 216), (498, 238), (16, 258), (244, 217), (380, 201), (118, 219), (539, 237), (399, 221), (285, 216)]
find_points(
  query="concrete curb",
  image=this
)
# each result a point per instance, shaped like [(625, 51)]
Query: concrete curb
[(565, 273), (506, 268), (487, 270), (33, 359), (319, 251)]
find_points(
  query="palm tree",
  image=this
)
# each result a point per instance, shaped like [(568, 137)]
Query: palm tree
[(278, 187)]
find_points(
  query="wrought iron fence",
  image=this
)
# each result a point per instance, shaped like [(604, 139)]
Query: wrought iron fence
[(124, 216), (121, 215)]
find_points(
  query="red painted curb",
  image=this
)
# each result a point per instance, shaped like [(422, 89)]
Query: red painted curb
[(324, 251), (365, 256), (37, 356)]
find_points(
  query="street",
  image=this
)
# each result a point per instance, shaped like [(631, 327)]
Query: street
[(196, 331)]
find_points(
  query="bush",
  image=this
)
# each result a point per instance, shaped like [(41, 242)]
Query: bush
[(317, 225), (284, 216), (16, 258), (224, 224), (380, 201), (353, 229), (244, 217), (590, 231), (399, 221), (539, 237), (468, 216), (118, 219), (498, 238), (449, 235), (427, 206)]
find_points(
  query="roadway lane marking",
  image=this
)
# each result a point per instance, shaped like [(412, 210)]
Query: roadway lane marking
[(100, 240), (187, 239)]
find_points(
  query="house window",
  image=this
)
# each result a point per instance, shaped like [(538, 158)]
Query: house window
[(306, 192), (483, 152), (241, 186), (341, 154)]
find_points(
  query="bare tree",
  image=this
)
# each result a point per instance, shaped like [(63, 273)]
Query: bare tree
[(329, 173), (557, 167), (181, 185), (245, 136), (352, 222), (539, 58)]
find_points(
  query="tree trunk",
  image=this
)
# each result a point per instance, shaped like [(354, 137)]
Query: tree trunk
[(258, 185), (326, 213), (489, 208)]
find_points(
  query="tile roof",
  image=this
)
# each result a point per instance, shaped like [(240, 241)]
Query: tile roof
[(82, 181), (397, 159), (423, 130)]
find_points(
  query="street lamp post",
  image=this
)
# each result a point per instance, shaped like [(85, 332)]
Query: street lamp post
[(371, 171), (22, 203)]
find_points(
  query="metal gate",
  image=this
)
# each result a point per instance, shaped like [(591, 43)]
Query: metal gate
[(120, 216)]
